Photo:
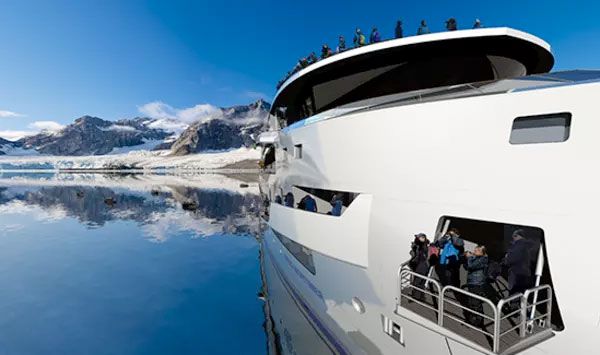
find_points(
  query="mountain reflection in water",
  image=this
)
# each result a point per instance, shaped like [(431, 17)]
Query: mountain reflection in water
[(102, 264)]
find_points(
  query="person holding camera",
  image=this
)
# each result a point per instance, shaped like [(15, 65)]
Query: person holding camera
[(418, 263), (477, 270), (451, 248)]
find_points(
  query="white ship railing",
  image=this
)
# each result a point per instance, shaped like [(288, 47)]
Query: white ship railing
[(524, 319)]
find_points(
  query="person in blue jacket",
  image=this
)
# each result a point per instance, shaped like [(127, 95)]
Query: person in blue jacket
[(375, 37), (451, 250), (336, 205), (308, 204)]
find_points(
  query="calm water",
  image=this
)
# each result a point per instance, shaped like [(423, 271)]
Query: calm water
[(114, 265)]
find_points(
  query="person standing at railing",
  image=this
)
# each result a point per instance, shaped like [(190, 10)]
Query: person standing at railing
[(518, 260), (423, 29), (341, 45), (419, 251), (477, 271), (359, 38), (375, 36), (451, 24), (325, 51), (451, 249), (399, 33)]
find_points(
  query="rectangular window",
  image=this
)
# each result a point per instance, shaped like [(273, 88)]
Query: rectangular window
[(301, 253), (550, 128), (298, 151)]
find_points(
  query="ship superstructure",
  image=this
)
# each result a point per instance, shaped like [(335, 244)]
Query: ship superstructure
[(463, 129)]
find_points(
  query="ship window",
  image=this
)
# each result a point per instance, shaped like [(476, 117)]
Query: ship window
[(326, 200), (298, 151), (302, 254), (549, 128)]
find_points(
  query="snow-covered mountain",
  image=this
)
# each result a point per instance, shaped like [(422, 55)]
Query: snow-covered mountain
[(219, 129), (93, 136), (233, 127)]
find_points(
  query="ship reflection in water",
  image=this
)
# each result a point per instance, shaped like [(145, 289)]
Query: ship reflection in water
[(100, 264)]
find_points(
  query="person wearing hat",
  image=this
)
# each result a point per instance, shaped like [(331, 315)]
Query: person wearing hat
[(518, 260), (477, 23), (325, 51), (451, 24), (418, 263)]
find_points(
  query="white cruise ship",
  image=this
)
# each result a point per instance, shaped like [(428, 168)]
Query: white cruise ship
[(465, 129)]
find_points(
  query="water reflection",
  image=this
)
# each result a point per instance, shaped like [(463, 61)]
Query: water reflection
[(80, 276), (157, 208)]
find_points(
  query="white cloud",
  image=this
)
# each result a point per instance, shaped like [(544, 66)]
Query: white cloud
[(161, 110), (34, 128), (118, 127), (169, 125), (49, 126), (9, 114), (15, 135)]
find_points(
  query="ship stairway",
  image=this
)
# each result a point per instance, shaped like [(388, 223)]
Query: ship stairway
[(510, 325)]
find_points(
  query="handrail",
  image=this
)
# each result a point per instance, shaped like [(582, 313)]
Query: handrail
[(495, 339), (524, 324), (407, 272), (525, 306)]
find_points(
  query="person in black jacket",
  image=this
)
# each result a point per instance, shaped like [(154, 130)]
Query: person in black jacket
[(419, 264), (477, 270), (518, 261), (398, 32)]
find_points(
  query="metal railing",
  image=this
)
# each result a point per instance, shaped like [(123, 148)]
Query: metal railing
[(523, 317)]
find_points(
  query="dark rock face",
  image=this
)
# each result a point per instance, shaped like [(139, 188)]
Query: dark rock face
[(93, 136), (233, 129)]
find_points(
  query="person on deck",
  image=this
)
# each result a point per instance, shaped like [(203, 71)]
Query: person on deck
[(418, 263), (341, 45), (399, 33), (359, 38), (325, 51), (308, 204), (477, 270), (336, 205), (312, 58), (375, 37), (451, 24), (477, 24), (518, 260), (289, 200), (448, 267), (423, 29)]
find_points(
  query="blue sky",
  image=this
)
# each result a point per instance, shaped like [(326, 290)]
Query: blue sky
[(60, 60)]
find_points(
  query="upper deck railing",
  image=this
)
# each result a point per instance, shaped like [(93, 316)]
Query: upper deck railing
[(522, 324)]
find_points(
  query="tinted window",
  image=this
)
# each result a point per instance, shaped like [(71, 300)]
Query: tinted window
[(549, 128)]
